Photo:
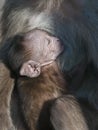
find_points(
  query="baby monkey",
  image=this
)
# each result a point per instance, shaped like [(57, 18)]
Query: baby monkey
[(33, 57), (32, 51), (44, 50)]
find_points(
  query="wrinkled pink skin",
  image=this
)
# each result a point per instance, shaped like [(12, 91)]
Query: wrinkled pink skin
[(44, 50)]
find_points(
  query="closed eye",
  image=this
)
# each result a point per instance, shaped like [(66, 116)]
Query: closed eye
[(48, 41)]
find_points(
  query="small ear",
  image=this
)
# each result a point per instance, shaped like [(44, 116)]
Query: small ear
[(30, 69)]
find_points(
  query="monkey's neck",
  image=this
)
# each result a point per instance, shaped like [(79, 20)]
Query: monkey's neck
[(51, 78)]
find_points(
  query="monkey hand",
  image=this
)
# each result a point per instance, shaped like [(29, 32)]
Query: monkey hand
[(30, 69)]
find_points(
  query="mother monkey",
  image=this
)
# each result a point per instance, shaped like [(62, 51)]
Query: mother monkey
[(75, 23)]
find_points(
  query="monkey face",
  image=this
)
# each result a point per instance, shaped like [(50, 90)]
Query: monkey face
[(43, 47)]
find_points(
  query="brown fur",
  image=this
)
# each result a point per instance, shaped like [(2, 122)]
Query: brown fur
[(75, 23), (47, 87)]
